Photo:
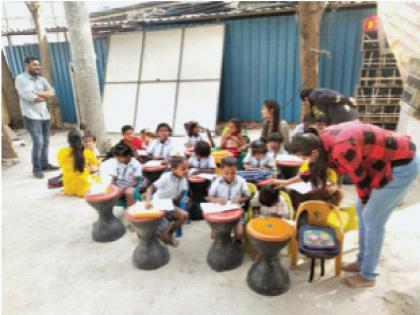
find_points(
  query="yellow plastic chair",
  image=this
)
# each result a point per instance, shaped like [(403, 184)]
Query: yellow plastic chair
[(331, 174), (319, 213), (286, 198), (218, 156)]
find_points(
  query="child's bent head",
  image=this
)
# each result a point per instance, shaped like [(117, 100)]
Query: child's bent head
[(268, 195), (274, 141), (164, 131), (127, 132), (202, 149), (258, 149), (179, 166), (123, 153), (229, 168)]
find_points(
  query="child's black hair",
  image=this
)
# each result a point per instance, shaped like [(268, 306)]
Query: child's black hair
[(312, 130), (177, 161), (189, 127), (146, 131), (228, 162), (125, 128), (163, 125), (275, 137), (258, 146), (75, 141), (202, 148), (269, 195), (122, 149), (89, 135), (305, 93), (237, 123)]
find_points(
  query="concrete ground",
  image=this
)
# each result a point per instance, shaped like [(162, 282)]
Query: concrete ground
[(52, 266)]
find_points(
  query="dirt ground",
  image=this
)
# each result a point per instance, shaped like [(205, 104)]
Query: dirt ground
[(52, 266)]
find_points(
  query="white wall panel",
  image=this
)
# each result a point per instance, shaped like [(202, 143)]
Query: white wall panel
[(161, 55), (156, 104), (197, 101), (203, 52), (118, 105), (124, 57)]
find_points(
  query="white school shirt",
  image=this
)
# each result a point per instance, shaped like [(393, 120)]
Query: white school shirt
[(125, 173), (203, 163), (161, 150), (237, 189), (266, 161), (281, 208), (169, 186)]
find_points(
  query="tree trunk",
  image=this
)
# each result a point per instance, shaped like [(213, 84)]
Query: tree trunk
[(7, 151), (36, 11), (10, 96), (310, 15), (85, 74)]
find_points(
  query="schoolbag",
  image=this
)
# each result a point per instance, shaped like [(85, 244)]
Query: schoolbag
[(255, 176), (316, 242)]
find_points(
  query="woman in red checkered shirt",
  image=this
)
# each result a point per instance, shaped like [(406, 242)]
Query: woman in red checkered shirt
[(382, 166)]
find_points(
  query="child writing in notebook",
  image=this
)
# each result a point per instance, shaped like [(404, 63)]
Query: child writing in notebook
[(162, 148), (194, 129), (202, 157), (171, 185), (127, 172), (230, 187), (258, 157), (233, 141), (269, 203)]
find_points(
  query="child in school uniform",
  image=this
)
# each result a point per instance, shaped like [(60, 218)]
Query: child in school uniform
[(230, 187), (171, 185), (129, 138), (269, 203), (202, 157), (194, 129), (258, 157), (232, 140), (127, 172), (162, 148), (146, 137), (89, 142), (274, 142)]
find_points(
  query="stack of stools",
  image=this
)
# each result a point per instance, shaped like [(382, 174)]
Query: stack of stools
[(224, 253), (269, 235), (150, 253), (108, 228)]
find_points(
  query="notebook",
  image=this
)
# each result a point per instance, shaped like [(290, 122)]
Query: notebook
[(288, 158), (139, 208), (153, 163), (98, 188), (302, 188), (209, 207)]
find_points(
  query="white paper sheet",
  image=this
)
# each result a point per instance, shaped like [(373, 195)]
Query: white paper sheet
[(287, 157), (139, 208), (209, 207), (206, 176), (142, 153), (98, 188), (302, 188), (153, 163)]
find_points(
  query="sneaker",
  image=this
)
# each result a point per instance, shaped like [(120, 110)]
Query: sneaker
[(50, 167), (38, 174)]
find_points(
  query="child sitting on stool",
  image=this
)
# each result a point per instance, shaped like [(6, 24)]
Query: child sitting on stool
[(202, 157), (258, 157), (162, 148), (127, 172), (193, 129), (171, 185), (269, 203), (230, 187)]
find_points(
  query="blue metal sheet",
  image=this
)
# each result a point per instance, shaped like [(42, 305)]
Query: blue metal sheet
[(60, 58)]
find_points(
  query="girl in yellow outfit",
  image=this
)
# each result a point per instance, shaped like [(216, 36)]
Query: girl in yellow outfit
[(75, 162)]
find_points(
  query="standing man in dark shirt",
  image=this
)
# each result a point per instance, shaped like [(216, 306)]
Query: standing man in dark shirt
[(336, 107)]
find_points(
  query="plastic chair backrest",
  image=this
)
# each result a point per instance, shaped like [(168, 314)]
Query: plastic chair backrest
[(286, 198), (331, 174), (319, 213)]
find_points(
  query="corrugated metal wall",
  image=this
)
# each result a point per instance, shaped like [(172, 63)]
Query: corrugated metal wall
[(341, 34), (60, 58)]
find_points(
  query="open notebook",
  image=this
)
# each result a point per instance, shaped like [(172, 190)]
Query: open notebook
[(288, 158), (153, 163), (209, 207), (99, 188), (139, 208), (302, 188)]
